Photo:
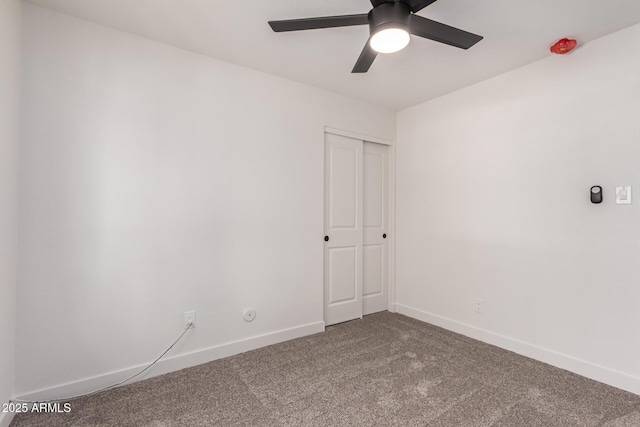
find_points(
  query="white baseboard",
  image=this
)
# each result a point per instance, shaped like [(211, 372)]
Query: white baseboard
[(587, 369), (6, 418), (174, 363)]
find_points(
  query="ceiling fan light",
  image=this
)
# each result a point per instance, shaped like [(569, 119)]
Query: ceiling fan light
[(390, 40)]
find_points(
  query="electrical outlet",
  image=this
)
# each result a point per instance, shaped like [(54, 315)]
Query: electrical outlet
[(479, 306), (190, 318)]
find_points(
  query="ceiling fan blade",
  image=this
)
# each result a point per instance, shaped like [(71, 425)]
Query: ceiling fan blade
[(417, 5), (321, 22), (442, 33), (365, 60)]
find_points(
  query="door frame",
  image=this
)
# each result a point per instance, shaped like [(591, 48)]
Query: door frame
[(391, 206)]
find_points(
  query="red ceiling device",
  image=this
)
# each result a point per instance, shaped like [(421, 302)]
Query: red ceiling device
[(563, 46)]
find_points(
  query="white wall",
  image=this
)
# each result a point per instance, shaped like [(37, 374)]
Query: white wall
[(493, 202), (155, 181), (370, 120), (10, 40)]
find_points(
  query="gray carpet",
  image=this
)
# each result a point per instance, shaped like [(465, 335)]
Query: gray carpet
[(384, 370)]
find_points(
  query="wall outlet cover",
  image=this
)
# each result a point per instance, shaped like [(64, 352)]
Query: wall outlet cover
[(623, 195), (479, 306), (190, 318)]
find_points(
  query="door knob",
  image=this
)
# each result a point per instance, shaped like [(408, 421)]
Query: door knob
[(326, 238), (384, 236)]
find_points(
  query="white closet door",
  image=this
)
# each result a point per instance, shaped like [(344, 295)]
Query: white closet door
[(343, 229), (375, 228)]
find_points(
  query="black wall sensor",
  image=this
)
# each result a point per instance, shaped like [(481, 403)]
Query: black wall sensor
[(596, 194)]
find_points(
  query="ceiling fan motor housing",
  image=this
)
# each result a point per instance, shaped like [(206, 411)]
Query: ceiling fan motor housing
[(389, 15)]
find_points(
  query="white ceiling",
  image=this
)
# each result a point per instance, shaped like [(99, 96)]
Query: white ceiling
[(516, 32)]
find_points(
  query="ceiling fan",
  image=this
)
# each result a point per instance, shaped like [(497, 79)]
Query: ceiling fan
[(390, 24)]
